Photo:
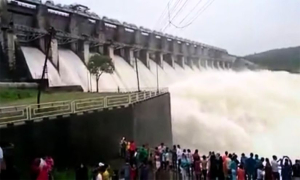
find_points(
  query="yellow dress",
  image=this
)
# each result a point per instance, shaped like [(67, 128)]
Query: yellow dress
[(105, 175)]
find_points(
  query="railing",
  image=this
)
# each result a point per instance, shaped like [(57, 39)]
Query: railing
[(16, 114)]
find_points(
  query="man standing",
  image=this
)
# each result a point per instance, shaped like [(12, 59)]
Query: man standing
[(275, 169), (179, 155), (174, 157), (250, 167), (296, 170)]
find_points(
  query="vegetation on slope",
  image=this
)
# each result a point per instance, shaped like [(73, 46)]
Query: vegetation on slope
[(287, 59), (13, 96)]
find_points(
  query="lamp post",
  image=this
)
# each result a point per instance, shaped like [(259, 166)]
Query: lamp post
[(137, 71), (157, 80), (40, 83)]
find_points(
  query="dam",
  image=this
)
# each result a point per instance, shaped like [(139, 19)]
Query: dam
[(81, 33), (256, 107)]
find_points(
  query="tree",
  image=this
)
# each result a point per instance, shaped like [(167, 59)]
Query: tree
[(99, 64)]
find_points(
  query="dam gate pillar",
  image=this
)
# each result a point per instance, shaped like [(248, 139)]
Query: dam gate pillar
[(180, 60), (84, 51), (9, 47), (189, 62), (109, 51), (197, 62), (54, 53), (42, 22), (129, 56), (159, 59), (144, 56), (170, 59)]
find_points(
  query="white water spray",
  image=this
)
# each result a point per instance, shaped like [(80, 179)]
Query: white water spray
[(238, 111), (212, 109)]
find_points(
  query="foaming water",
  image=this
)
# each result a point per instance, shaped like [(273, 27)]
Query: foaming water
[(238, 111), (212, 109), (35, 62)]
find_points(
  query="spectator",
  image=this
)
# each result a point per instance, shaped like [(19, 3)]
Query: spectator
[(286, 168), (126, 170), (184, 167), (144, 171), (174, 157), (133, 172), (241, 173), (296, 170), (260, 173), (1, 159), (204, 166), (81, 172), (250, 167), (268, 170), (275, 168)]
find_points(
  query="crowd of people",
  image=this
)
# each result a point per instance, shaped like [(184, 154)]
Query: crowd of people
[(143, 163), (227, 166)]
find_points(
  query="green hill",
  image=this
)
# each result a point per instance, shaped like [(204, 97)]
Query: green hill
[(287, 59)]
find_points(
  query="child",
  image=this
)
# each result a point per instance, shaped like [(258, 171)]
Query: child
[(241, 173)]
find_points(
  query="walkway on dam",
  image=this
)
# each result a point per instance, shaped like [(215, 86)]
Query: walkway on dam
[(51, 110)]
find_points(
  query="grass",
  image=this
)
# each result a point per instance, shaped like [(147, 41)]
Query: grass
[(64, 175), (14, 97)]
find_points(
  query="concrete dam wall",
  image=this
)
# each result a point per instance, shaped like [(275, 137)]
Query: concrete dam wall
[(94, 137), (81, 33)]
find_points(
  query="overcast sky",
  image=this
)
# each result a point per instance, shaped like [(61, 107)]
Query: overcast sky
[(240, 26)]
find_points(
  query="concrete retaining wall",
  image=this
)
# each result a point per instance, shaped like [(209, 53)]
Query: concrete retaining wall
[(93, 137)]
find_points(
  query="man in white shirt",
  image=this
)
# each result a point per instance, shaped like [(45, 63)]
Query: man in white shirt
[(1, 158), (161, 148), (179, 155), (275, 168), (179, 152)]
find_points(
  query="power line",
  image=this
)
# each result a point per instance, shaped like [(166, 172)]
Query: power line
[(164, 15), (191, 11), (177, 13), (195, 17)]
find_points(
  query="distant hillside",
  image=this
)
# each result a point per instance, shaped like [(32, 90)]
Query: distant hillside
[(287, 59)]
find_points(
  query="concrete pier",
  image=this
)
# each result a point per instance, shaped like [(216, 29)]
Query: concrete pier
[(54, 53), (129, 56), (159, 59), (180, 61), (145, 57)]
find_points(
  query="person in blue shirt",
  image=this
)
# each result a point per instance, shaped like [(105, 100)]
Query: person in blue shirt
[(126, 170), (233, 168), (243, 159), (184, 167), (257, 165), (250, 167)]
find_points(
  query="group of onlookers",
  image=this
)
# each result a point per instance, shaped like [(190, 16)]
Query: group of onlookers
[(137, 161), (226, 166)]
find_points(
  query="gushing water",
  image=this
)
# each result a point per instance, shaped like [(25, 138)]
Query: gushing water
[(238, 111), (212, 109)]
